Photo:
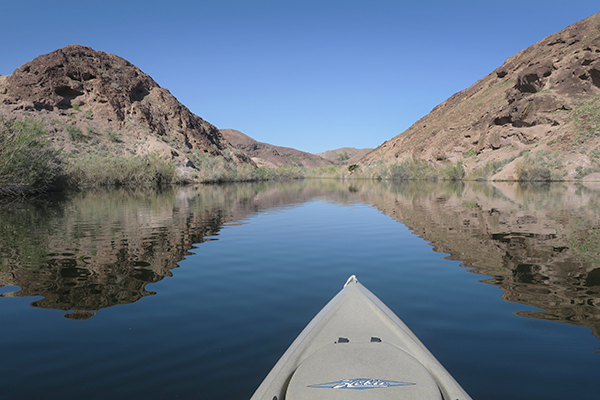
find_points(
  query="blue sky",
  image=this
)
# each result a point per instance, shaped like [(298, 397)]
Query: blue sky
[(313, 75)]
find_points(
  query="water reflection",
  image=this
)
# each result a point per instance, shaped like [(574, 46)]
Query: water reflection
[(539, 244), (99, 249)]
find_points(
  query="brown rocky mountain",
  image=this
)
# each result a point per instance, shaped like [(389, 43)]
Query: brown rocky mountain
[(345, 155), (546, 97), (264, 154), (78, 86)]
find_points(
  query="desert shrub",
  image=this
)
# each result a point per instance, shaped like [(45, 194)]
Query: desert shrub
[(96, 170), (220, 169), (539, 167), (373, 170), (330, 171), (92, 131), (452, 172), (489, 169), (398, 172), (213, 168), (286, 172), (585, 171), (593, 167), (113, 136), (408, 170), (27, 161), (75, 133), (343, 156)]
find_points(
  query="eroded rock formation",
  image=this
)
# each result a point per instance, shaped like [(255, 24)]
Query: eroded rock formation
[(545, 97), (98, 89)]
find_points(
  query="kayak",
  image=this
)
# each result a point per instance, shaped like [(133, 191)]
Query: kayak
[(357, 348)]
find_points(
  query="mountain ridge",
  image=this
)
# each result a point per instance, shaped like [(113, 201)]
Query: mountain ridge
[(78, 89), (269, 155), (545, 97), (345, 155)]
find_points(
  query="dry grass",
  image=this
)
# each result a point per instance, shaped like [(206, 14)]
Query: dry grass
[(94, 171)]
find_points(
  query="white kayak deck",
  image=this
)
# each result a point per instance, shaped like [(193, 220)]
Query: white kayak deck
[(357, 348)]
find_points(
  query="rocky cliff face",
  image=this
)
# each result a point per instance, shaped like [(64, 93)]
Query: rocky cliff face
[(546, 97), (269, 155), (93, 88)]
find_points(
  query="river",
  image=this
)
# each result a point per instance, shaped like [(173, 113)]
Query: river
[(195, 292)]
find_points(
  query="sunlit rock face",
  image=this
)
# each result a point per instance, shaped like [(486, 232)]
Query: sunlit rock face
[(543, 98), (108, 92)]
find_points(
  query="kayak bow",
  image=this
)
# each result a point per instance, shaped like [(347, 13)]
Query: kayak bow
[(356, 347)]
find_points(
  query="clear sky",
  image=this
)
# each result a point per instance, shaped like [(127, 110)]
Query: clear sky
[(313, 75)]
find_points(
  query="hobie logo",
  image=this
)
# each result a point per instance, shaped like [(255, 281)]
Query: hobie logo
[(361, 384)]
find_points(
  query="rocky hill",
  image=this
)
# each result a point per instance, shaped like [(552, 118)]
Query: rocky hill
[(264, 154), (88, 96), (344, 155), (545, 99)]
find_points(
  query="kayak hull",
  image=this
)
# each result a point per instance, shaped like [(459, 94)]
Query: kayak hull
[(356, 346)]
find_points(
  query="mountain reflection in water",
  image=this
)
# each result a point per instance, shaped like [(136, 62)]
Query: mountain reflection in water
[(539, 244), (100, 249)]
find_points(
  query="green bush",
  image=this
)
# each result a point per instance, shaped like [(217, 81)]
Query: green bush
[(28, 163)]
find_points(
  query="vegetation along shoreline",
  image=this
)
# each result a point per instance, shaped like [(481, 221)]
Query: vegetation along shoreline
[(31, 165)]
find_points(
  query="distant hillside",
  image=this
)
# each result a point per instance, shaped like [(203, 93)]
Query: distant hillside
[(92, 102), (345, 155), (264, 154), (543, 102)]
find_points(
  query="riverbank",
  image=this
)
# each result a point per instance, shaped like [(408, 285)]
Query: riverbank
[(35, 161)]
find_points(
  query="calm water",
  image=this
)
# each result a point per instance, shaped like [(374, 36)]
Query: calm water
[(195, 293)]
